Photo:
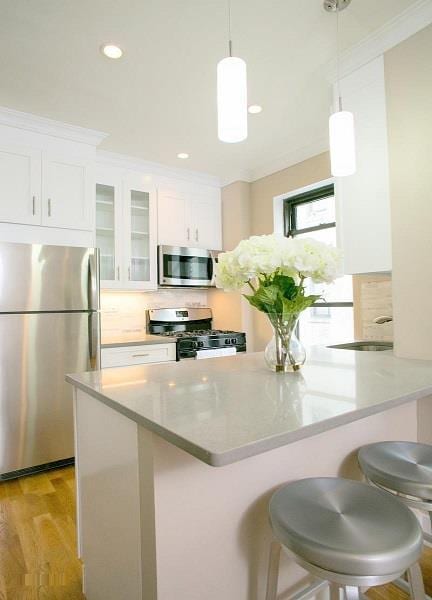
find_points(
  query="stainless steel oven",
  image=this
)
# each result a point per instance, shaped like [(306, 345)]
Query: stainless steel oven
[(186, 267)]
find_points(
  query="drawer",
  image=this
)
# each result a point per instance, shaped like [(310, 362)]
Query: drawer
[(137, 355)]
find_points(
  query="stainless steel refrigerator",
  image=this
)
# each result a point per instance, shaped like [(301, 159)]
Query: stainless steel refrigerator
[(49, 326)]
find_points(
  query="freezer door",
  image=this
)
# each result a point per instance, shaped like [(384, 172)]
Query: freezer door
[(48, 278), (36, 352)]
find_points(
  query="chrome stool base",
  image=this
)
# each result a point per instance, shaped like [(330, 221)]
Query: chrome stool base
[(350, 584)]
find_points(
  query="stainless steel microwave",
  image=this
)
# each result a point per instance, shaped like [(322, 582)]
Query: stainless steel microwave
[(186, 267)]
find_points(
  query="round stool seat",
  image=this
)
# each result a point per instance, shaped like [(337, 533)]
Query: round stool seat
[(346, 526), (404, 467)]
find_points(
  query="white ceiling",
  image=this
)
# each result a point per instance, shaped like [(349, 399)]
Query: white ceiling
[(159, 99)]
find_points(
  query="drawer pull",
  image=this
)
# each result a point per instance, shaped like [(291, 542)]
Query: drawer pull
[(140, 355)]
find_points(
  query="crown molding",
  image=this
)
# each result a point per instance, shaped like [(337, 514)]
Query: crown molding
[(123, 161), (400, 28), (42, 125)]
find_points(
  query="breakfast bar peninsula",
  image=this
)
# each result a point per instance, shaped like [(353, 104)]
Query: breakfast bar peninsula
[(176, 462)]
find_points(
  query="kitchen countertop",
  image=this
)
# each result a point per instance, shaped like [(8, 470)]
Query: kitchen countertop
[(226, 409), (144, 340)]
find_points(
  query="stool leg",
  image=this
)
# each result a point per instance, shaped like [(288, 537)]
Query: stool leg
[(415, 580), (273, 571), (334, 592), (352, 592)]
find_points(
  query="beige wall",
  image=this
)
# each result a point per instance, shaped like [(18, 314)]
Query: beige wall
[(292, 178), (247, 209), (408, 71), (230, 310)]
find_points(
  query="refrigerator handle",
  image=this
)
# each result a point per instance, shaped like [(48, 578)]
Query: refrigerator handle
[(94, 340), (93, 281)]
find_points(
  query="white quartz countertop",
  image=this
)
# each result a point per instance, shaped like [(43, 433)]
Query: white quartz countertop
[(222, 410)]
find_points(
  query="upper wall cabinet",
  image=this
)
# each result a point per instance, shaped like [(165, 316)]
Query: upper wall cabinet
[(67, 191), (126, 230), (20, 184), (190, 216), (46, 178), (363, 198)]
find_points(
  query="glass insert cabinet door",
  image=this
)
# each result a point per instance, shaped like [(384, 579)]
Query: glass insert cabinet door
[(140, 226), (105, 231)]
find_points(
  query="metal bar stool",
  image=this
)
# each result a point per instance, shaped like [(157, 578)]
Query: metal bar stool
[(403, 469), (347, 534)]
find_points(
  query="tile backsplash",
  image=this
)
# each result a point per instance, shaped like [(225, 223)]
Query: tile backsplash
[(123, 314), (372, 298)]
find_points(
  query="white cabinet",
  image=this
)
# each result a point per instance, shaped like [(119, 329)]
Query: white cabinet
[(363, 198), (173, 218), (67, 191), (140, 228), (122, 356), (126, 230), (190, 216), (20, 185), (48, 189)]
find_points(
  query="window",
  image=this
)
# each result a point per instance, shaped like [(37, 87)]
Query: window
[(313, 214)]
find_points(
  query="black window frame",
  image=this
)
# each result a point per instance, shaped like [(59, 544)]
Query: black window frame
[(290, 225)]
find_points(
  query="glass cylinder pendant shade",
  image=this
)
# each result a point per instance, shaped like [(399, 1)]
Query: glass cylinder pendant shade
[(342, 144), (232, 99)]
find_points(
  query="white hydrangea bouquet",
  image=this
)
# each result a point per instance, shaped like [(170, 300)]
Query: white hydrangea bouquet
[(276, 269)]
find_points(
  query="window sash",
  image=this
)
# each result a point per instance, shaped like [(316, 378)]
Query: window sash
[(290, 205)]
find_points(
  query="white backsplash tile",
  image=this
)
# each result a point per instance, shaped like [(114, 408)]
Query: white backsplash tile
[(373, 298), (123, 314)]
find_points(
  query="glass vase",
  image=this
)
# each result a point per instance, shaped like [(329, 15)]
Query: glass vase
[(284, 353)]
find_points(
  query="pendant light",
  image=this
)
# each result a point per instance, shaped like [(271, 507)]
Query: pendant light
[(341, 123), (231, 94)]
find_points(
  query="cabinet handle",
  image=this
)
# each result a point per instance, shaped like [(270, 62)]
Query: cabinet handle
[(196, 235), (129, 272), (49, 207), (34, 205), (140, 355), (118, 273), (188, 233)]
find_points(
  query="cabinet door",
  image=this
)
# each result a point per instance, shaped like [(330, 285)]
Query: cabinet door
[(140, 227), (20, 185), (173, 213), (109, 229), (363, 198), (68, 192), (206, 221)]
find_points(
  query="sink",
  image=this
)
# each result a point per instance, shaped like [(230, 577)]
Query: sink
[(364, 346)]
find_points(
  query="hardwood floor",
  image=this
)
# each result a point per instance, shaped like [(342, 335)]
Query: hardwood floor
[(37, 538), (38, 543)]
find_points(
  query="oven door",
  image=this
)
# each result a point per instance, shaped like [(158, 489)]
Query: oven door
[(185, 267)]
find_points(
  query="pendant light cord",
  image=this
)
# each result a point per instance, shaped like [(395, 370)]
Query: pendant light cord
[(229, 29), (338, 57)]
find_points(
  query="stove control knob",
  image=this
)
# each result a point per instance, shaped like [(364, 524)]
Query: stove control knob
[(233, 341), (227, 341), (200, 344)]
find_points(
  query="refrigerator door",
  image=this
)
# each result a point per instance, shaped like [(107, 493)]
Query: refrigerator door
[(48, 278), (36, 352)]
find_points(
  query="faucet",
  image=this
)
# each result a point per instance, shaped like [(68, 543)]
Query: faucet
[(383, 319)]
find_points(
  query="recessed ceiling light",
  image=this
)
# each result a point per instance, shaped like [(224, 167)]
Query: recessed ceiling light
[(111, 51), (182, 155), (254, 109)]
